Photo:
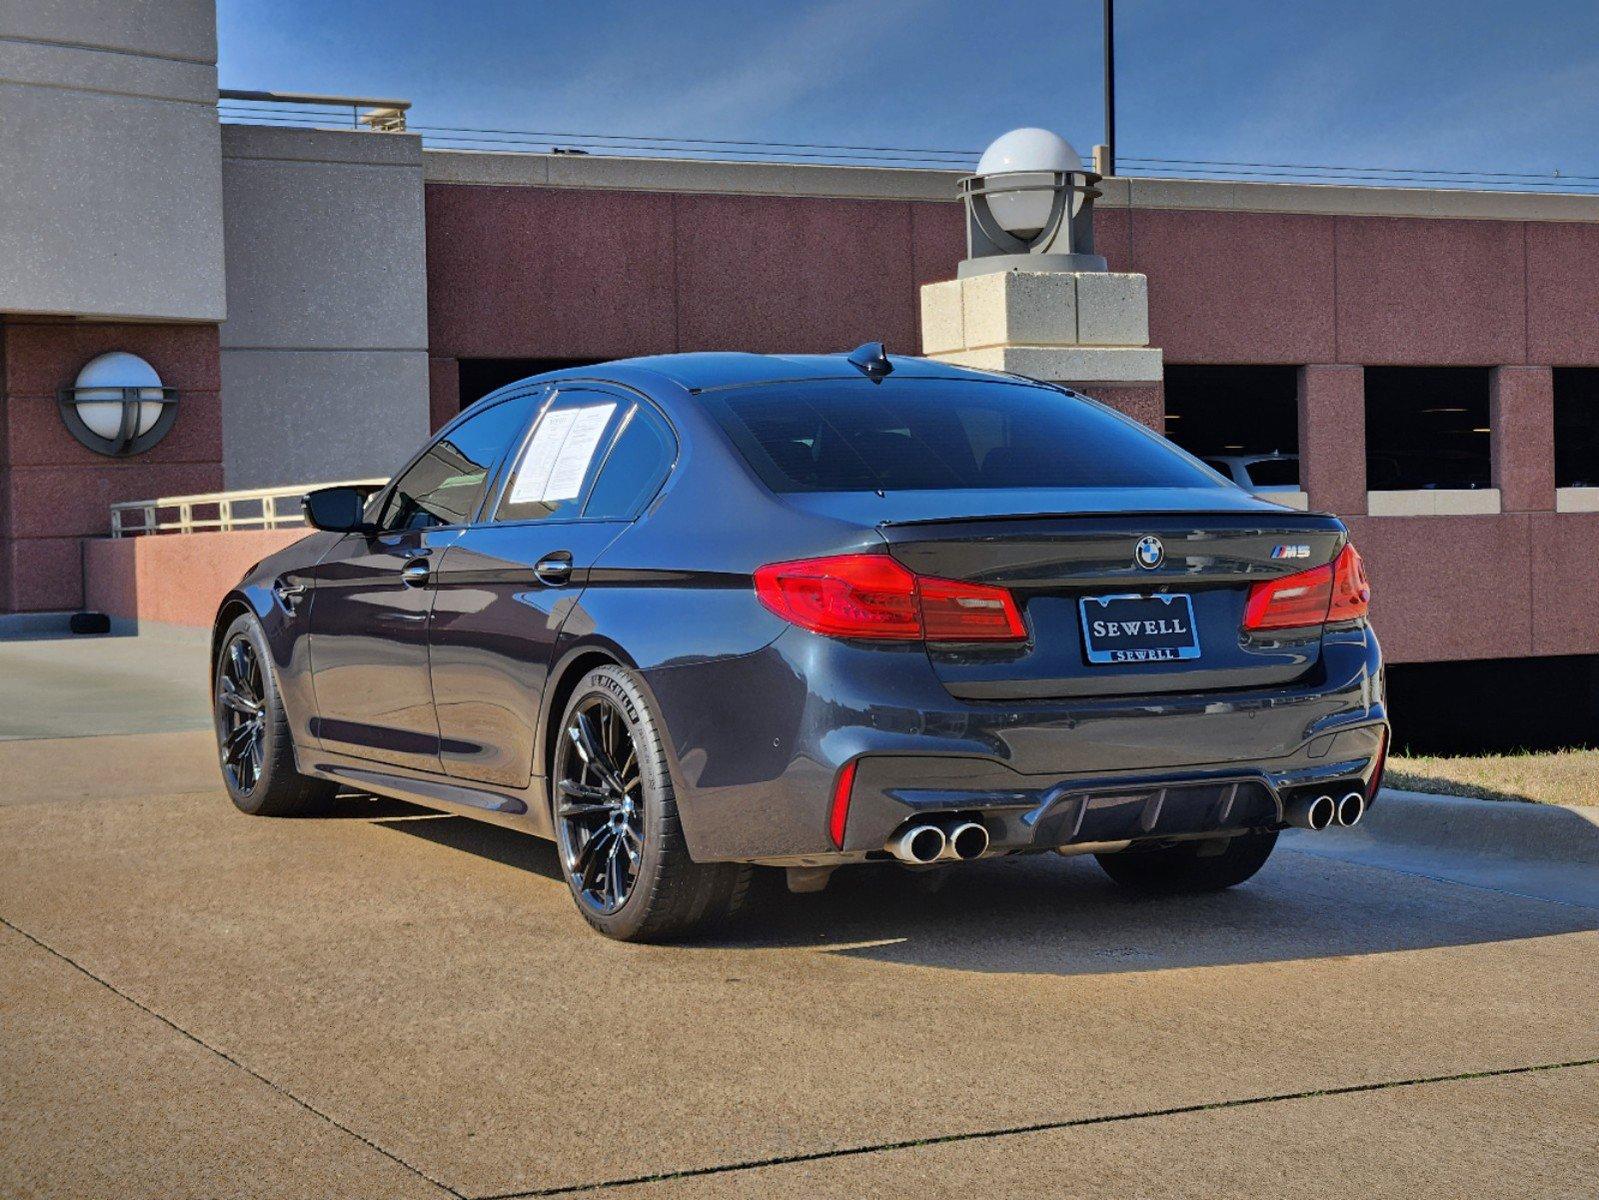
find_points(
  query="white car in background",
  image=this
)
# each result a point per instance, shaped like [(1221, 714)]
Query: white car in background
[(1263, 474)]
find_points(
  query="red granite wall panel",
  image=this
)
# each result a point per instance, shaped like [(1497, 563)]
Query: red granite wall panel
[(1237, 287), (1431, 292), (54, 490)]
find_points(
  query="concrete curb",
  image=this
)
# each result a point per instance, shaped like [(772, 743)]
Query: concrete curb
[(1492, 828), (1536, 851)]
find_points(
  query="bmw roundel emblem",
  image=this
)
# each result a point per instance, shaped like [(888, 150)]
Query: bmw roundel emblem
[(1149, 553)]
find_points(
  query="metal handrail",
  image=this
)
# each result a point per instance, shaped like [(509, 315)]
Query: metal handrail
[(219, 511), (382, 116)]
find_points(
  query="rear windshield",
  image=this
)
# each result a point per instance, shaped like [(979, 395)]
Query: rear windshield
[(940, 435)]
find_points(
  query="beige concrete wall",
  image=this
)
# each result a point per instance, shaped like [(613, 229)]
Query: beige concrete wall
[(109, 160), (324, 352), (502, 168)]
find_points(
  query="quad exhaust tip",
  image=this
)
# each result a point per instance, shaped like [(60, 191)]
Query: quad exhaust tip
[(968, 840), (919, 845), (1350, 809), (1315, 813), (925, 843)]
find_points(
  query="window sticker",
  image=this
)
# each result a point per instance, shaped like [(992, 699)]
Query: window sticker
[(556, 461)]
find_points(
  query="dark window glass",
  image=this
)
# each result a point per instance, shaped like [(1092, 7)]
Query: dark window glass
[(557, 460), (1232, 410), (444, 485), (637, 463), (940, 435), (1426, 427), (1576, 427), (1274, 472)]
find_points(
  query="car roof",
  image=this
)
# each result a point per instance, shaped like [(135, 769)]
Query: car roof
[(702, 371)]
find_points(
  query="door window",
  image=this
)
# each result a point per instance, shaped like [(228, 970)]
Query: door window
[(635, 467), (559, 457), (444, 485)]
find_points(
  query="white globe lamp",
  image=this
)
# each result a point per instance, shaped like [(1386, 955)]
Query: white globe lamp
[(99, 390), (118, 405), (1030, 207), (1031, 158)]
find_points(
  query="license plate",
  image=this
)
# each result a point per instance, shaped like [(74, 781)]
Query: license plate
[(1134, 629)]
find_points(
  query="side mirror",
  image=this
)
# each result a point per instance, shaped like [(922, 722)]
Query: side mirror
[(337, 509)]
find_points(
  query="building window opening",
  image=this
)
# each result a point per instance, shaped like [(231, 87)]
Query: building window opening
[(480, 376), (1243, 421), (1427, 427), (1494, 706), (1576, 426)]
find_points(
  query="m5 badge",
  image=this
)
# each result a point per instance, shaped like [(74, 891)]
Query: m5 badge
[(1290, 552)]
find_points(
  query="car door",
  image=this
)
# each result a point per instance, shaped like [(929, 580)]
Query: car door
[(371, 596), (509, 584)]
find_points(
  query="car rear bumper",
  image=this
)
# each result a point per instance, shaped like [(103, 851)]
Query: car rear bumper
[(757, 743)]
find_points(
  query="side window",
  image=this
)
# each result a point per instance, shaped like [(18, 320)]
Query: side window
[(444, 485), (557, 460), (635, 467)]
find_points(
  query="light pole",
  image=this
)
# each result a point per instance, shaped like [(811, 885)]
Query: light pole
[(1110, 87)]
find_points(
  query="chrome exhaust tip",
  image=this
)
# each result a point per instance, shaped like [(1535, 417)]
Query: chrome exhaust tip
[(918, 845), (968, 840), (1307, 813), (1350, 809)]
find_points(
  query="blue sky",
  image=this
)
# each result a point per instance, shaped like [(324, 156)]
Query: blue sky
[(1413, 83)]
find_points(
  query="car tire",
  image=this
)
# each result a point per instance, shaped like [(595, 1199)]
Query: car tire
[(1190, 866), (248, 713), (660, 892)]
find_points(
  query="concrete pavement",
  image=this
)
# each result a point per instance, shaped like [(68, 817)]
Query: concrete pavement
[(61, 687), (388, 1002)]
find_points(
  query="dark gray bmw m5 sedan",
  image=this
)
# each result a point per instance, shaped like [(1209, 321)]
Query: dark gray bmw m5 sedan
[(690, 614)]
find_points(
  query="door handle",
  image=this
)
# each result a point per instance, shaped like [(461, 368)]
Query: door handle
[(415, 573), (554, 569)]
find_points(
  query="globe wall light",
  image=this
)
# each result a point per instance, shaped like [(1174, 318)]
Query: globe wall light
[(1030, 206), (118, 406)]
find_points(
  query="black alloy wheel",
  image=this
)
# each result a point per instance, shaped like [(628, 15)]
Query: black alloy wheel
[(599, 805), (241, 714)]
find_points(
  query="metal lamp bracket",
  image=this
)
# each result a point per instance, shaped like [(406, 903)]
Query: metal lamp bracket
[(1065, 243), (125, 443)]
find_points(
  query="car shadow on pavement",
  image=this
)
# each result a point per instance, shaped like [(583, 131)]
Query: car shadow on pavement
[(508, 847), (1042, 914)]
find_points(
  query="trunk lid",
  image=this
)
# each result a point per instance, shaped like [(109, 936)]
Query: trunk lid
[(1052, 563)]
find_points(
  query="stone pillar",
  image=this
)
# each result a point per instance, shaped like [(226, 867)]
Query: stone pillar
[(1086, 329), (327, 304), (1521, 413), (1332, 438)]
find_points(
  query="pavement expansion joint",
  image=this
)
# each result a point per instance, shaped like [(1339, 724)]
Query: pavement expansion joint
[(234, 1062), (1041, 1127)]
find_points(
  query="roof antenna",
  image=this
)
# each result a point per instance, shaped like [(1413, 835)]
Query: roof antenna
[(872, 360)]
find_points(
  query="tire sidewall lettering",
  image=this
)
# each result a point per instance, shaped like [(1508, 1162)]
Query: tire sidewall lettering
[(617, 692)]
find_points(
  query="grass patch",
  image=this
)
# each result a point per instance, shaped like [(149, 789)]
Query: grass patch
[(1556, 777)]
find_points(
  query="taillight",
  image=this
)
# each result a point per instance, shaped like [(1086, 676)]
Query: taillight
[(874, 596), (1351, 598), (1289, 602), (1335, 592)]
